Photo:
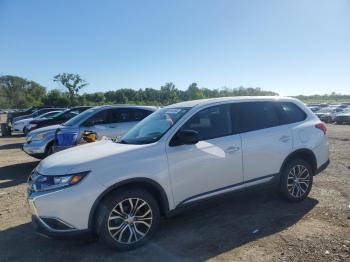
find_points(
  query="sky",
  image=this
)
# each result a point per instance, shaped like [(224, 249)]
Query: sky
[(290, 47)]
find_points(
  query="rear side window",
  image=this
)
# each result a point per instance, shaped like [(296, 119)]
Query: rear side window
[(212, 122), (256, 115), (291, 113)]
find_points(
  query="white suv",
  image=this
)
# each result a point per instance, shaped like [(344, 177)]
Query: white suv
[(176, 156)]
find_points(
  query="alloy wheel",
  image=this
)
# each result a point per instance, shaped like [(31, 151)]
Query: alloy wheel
[(298, 181), (130, 220)]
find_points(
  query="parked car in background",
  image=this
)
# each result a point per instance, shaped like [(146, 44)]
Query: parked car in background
[(58, 119), (344, 117), (328, 114), (35, 114), (15, 113), (23, 125), (314, 108), (177, 156), (109, 121)]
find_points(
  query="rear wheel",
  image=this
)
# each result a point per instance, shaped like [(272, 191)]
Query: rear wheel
[(296, 180), (127, 219)]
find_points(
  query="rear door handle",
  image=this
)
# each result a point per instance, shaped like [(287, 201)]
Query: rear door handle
[(232, 149), (284, 139)]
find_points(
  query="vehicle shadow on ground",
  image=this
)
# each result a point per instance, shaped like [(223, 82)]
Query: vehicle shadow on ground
[(199, 233), (11, 146), (16, 174)]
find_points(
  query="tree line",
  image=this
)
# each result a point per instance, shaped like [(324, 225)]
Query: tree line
[(18, 92)]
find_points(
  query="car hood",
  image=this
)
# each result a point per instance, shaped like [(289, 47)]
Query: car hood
[(84, 157), (44, 129), (23, 120)]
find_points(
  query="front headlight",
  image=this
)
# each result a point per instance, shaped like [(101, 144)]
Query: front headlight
[(38, 182), (39, 136)]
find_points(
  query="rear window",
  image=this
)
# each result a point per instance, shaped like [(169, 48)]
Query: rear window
[(291, 113), (256, 115)]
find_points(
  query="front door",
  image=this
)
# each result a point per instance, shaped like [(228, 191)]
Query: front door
[(214, 164)]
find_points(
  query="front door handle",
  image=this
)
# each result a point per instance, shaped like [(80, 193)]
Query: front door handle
[(284, 139), (232, 149)]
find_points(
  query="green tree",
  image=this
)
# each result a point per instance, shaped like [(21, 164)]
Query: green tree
[(56, 98), (73, 82), (19, 92)]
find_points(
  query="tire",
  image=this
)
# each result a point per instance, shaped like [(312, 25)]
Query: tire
[(25, 131), (124, 227), (296, 180)]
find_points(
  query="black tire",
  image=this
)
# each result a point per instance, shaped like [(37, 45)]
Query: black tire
[(290, 186), (112, 203)]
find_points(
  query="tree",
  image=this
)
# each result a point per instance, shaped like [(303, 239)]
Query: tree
[(19, 92), (168, 94), (73, 82), (56, 98)]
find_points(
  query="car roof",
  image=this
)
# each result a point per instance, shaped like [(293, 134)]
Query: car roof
[(209, 101)]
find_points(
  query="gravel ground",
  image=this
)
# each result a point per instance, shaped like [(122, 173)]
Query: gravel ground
[(249, 226)]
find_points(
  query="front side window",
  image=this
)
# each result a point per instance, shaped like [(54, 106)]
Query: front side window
[(99, 118), (212, 122), (256, 115), (119, 115), (153, 127), (139, 114)]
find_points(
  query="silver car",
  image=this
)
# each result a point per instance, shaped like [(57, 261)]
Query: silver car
[(108, 121)]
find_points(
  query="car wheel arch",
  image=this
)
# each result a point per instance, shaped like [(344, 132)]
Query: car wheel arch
[(148, 184), (303, 153)]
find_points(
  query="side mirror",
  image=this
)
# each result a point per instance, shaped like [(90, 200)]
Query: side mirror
[(187, 137)]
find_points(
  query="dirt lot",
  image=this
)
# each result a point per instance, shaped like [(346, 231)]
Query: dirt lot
[(250, 226)]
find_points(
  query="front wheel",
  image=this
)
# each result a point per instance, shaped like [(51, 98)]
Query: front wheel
[(127, 219), (296, 180)]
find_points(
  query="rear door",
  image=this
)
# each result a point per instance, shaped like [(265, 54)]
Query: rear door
[(265, 141)]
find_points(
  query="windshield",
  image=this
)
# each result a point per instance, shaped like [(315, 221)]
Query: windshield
[(153, 127), (78, 118)]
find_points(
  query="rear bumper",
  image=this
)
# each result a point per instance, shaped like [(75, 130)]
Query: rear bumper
[(322, 167)]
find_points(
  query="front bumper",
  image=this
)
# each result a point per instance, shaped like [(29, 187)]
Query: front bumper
[(64, 212), (42, 229), (33, 148)]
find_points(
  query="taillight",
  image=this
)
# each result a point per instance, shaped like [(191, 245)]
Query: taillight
[(322, 126)]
